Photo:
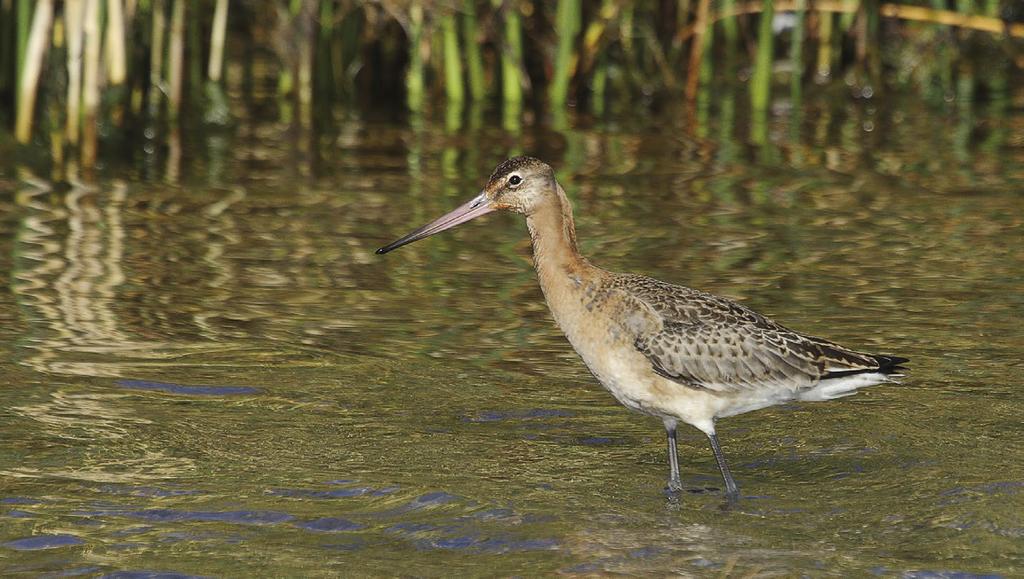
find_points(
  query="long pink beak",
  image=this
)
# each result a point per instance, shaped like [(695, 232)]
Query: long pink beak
[(472, 209)]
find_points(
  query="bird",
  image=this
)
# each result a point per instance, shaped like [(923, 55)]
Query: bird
[(668, 351)]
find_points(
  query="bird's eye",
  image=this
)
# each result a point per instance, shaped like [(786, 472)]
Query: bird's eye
[(515, 180)]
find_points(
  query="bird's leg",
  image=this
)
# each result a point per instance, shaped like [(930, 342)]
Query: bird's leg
[(731, 491), (674, 484)]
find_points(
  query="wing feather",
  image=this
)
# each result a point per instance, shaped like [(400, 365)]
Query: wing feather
[(708, 342)]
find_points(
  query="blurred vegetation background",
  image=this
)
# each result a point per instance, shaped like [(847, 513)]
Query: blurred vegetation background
[(76, 75)]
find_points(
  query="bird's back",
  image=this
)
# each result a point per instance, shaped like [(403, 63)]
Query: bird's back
[(704, 341)]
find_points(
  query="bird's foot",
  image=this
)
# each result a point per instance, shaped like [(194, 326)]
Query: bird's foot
[(732, 492), (675, 486), (701, 490)]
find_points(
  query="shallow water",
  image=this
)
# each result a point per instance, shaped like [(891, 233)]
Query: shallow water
[(217, 376)]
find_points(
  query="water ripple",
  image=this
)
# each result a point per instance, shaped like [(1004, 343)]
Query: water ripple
[(41, 542), (172, 388)]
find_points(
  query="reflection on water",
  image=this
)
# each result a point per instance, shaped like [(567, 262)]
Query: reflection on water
[(70, 256), (224, 380)]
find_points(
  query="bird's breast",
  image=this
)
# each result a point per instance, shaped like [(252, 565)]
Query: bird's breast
[(596, 324)]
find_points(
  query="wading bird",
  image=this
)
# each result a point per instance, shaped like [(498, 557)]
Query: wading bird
[(672, 352)]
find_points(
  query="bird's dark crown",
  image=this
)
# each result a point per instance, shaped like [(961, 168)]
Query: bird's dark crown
[(514, 164)]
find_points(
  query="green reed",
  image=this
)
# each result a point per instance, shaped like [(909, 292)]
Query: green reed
[(415, 83), (796, 51), (80, 64), (23, 22), (452, 62), (760, 82), (511, 50), (567, 25), (474, 56)]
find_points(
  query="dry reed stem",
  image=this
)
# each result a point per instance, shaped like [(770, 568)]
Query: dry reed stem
[(217, 35), (697, 50), (898, 11), (176, 59), (91, 82), (156, 57), (73, 19), (33, 67), (116, 60)]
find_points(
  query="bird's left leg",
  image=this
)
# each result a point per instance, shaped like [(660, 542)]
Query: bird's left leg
[(674, 483)]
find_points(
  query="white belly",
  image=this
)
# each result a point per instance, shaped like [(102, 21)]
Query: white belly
[(609, 353), (628, 375)]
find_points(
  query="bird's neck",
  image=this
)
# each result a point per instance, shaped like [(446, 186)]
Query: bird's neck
[(555, 255)]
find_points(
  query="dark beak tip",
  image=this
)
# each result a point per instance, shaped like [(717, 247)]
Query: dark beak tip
[(465, 212)]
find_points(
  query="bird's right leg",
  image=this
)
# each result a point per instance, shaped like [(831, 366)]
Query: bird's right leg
[(731, 491), (674, 483)]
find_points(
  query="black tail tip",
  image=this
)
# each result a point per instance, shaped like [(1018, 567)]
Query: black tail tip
[(889, 364)]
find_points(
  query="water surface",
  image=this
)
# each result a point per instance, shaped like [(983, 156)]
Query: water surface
[(208, 372)]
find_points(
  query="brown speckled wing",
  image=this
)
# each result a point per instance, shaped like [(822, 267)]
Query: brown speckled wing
[(709, 342)]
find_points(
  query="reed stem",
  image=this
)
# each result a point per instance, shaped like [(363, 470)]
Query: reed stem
[(474, 58), (512, 57), (176, 60), (116, 59), (702, 97), (414, 81), (32, 67), (218, 33), (760, 81), (871, 34), (567, 24), (53, 82), (944, 57), (325, 69), (91, 83), (57, 83), (729, 23), (848, 14), (592, 58), (194, 49), (824, 64), (306, 34), (598, 85), (452, 62), (73, 22), (156, 58), (6, 43), (696, 67), (796, 50), (24, 23)]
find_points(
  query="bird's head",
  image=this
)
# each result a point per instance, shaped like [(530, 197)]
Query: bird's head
[(519, 185)]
